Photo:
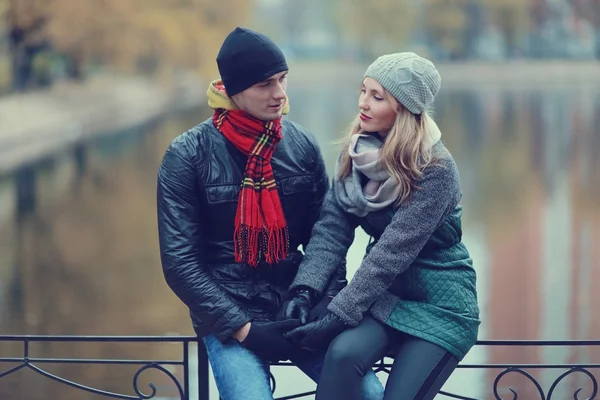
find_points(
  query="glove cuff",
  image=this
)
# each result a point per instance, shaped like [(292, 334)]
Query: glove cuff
[(339, 320), (307, 294)]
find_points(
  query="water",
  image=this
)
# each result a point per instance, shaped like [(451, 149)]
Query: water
[(531, 181)]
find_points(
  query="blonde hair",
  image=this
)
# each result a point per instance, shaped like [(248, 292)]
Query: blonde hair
[(406, 149)]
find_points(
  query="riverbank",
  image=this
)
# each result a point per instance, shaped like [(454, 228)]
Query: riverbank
[(502, 75), (34, 125)]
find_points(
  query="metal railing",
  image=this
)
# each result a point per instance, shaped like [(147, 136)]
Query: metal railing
[(189, 346), (193, 367)]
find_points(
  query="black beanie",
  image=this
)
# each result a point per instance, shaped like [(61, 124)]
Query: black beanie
[(246, 58)]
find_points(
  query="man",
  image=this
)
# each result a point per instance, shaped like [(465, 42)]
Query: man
[(237, 195)]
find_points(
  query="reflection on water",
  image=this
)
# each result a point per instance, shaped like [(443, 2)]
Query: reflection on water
[(86, 262)]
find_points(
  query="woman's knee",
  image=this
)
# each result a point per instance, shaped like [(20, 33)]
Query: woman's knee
[(361, 346), (343, 355)]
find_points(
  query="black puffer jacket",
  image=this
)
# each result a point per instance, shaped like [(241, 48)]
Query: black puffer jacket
[(198, 185)]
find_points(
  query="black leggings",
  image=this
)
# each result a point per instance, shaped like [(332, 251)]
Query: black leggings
[(419, 372)]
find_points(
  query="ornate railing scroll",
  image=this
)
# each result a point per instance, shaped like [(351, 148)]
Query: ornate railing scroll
[(180, 385)]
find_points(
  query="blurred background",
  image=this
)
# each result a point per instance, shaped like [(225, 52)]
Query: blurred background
[(92, 92)]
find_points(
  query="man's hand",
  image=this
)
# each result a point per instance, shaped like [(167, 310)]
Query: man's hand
[(241, 334), (318, 334), (298, 307), (265, 339)]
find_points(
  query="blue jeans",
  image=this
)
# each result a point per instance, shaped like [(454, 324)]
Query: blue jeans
[(240, 374)]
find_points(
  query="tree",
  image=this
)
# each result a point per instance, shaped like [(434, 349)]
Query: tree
[(152, 36), (512, 17), (26, 20), (5, 70), (446, 23), (376, 27), (454, 24)]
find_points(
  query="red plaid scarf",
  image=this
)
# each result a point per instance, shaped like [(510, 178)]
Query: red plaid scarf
[(260, 226)]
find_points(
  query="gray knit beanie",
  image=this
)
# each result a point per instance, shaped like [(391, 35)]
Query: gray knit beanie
[(411, 79)]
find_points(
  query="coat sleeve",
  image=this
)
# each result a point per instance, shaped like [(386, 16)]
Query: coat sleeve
[(338, 280), (401, 242), (326, 252), (181, 245)]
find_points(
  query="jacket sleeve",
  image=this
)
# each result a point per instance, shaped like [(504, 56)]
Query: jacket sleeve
[(181, 246), (326, 252), (401, 242)]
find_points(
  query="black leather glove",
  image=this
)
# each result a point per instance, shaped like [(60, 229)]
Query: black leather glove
[(319, 311), (265, 339), (318, 334), (298, 307)]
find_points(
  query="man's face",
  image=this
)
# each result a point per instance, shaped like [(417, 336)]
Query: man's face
[(264, 100)]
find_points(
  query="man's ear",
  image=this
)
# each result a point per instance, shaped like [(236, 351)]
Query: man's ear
[(233, 100)]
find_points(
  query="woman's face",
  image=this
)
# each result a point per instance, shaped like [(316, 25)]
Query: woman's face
[(377, 113)]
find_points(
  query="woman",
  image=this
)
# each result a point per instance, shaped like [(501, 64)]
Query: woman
[(413, 296)]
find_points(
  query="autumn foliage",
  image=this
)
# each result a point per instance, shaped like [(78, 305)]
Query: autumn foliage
[(448, 25), (128, 35)]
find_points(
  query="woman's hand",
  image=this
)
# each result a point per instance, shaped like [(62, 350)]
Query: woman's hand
[(318, 334)]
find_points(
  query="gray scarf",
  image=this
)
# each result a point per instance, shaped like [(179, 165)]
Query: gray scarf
[(370, 187)]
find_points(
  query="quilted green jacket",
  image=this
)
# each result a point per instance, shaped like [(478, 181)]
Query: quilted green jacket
[(436, 296)]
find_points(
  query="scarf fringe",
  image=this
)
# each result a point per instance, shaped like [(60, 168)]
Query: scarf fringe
[(278, 244), (253, 244)]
